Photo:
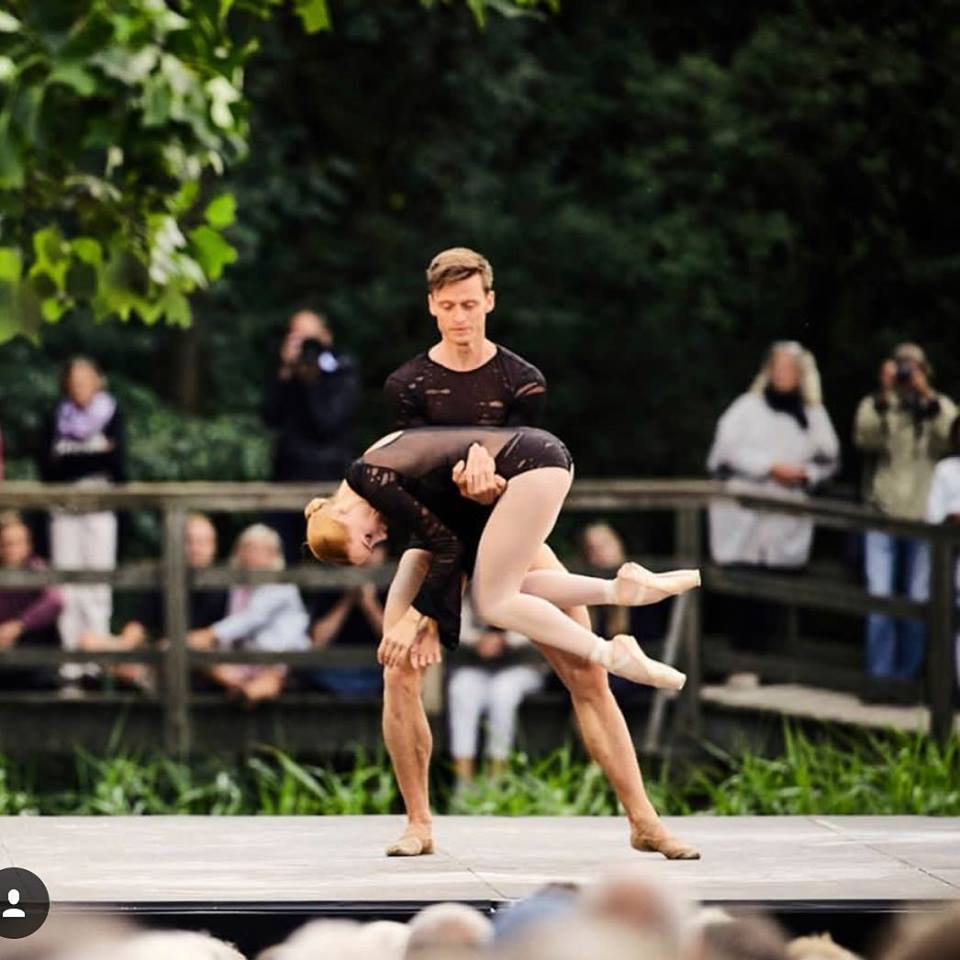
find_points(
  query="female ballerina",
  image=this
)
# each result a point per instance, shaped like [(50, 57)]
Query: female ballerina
[(405, 479)]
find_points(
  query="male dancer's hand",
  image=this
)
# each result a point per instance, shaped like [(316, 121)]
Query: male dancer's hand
[(477, 478), (399, 642)]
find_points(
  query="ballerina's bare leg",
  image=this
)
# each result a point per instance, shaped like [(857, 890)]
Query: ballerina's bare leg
[(518, 525)]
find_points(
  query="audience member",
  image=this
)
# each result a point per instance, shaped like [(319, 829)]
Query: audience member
[(83, 442), (776, 439), (28, 616), (204, 607), (929, 937), (748, 937), (819, 947), (266, 617), (491, 677), (310, 402), (634, 897), (943, 506), (447, 930), (903, 427), (352, 618)]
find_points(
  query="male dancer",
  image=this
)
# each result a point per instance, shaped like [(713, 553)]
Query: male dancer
[(467, 379)]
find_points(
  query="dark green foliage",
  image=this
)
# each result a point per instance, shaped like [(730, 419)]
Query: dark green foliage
[(843, 773), (662, 192)]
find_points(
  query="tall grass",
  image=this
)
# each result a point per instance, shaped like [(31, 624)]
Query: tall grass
[(839, 773)]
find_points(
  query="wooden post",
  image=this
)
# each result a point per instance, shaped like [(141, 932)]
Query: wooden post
[(688, 549), (174, 573), (941, 656)]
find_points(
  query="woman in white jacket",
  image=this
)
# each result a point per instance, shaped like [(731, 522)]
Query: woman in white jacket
[(776, 439)]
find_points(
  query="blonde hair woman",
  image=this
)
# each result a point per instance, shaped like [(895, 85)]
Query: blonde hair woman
[(270, 616)]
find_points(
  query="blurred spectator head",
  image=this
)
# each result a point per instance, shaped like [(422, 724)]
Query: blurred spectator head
[(447, 929), (552, 903), (583, 938), (82, 380), (201, 541), (165, 944), (633, 897), (790, 367), (258, 548), (384, 939), (330, 939), (911, 356), (66, 936), (819, 947), (16, 544), (602, 546), (310, 325), (930, 937), (749, 937)]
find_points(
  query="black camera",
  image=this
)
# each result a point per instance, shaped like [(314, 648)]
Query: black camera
[(315, 354), (904, 372)]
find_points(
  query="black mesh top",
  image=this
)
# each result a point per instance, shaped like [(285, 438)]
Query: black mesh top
[(408, 479), (504, 391)]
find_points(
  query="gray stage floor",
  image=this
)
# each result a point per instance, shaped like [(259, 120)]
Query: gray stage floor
[(236, 860)]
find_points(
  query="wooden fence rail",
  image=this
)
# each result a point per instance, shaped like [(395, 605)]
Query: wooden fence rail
[(685, 499)]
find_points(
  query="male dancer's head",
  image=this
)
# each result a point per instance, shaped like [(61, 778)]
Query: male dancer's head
[(459, 296)]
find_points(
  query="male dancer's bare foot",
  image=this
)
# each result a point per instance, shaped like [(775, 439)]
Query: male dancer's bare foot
[(657, 839), (635, 585), (622, 655), (417, 840)]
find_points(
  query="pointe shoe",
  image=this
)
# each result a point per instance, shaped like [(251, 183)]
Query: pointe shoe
[(410, 845), (627, 660), (659, 841), (635, 585)]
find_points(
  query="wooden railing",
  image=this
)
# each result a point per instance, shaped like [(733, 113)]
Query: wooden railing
[(686, 499)]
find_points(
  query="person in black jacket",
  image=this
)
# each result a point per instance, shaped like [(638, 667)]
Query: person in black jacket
[(310, 402), (83, 442)]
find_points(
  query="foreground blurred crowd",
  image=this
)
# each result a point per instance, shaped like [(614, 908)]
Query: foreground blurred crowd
[(777, 439), (627, 915)]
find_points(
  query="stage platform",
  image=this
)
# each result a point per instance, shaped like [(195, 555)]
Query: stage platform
[(199, 871)]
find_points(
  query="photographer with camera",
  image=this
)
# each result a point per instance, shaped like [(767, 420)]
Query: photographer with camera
[(310, 402), (904, 427)]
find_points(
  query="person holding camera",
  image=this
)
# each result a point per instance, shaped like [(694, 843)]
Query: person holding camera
[(904, 427), (310, 402)]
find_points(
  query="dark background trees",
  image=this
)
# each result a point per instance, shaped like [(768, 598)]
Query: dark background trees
[(662, 193)]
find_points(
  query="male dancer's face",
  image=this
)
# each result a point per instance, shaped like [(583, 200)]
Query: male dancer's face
[(461, 310)]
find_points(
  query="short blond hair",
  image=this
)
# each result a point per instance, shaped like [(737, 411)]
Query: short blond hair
[(327, 537), (259, 531), (458, 263)]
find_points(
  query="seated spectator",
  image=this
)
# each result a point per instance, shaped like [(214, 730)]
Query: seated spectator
[(903, 430), (603, 553), (266, 617), (204, 607), (943, 505), (775, 439), (353, 618), (489, 677), (27, 615)]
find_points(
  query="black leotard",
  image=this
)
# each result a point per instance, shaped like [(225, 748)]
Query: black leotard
[(409, 481), (504, 391)]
